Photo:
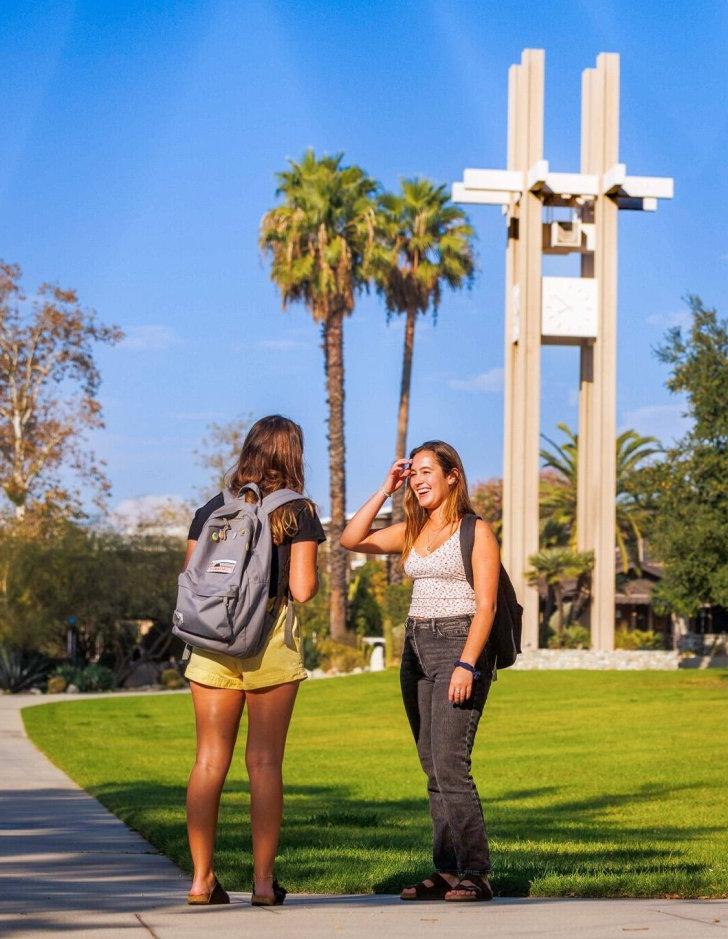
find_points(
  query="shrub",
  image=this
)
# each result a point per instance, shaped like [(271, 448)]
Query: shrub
[(571, 637), (20, 670), (56, 684), (638, 639), (337, 657), (396, 607), (396, 602), (68, 672), (393, 644), (171, 678), (310, 651), (95, 678)]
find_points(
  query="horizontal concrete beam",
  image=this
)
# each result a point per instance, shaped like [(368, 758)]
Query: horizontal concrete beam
[(500, 180), (648, 187), (461, 193), (501, 187), (572, 184)]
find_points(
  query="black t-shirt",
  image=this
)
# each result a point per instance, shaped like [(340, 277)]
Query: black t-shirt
[(309, 529)]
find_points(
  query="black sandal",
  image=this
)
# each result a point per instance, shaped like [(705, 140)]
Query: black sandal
[(479, 888), (216, 897), (279, 895), (439, 887)]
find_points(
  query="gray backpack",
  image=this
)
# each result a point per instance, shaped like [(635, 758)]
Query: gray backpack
[(222, 596)]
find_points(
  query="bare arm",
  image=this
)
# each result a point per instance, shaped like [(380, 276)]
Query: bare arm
[(359, 535), (303, 572), (486, 570)]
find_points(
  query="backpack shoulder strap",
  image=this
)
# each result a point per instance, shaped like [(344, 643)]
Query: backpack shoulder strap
[(275, 500), (467, 541), (230, 496)]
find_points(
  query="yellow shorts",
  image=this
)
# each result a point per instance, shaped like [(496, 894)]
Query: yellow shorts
[(279, 661)]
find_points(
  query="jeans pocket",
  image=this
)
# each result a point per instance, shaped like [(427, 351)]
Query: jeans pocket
[(453, 630)]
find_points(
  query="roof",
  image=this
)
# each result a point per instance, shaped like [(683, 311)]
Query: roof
[(637, 591)]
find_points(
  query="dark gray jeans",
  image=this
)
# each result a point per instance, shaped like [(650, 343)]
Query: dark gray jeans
[(444, 734)]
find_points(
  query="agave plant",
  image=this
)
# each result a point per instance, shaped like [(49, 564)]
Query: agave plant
[(18, 670)]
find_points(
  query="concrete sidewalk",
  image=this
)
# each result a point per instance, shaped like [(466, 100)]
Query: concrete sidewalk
[(69, 866)]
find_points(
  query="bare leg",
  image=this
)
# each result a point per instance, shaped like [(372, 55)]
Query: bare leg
[(217, 717), (269, 714)]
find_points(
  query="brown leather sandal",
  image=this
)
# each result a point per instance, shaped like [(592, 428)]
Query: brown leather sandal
[(478, 887), (279, 895), (217, 896), (436, 890)]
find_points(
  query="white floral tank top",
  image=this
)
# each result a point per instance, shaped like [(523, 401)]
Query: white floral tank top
[(440, 585)]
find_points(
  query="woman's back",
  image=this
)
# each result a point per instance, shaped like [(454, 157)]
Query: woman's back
[(308, 528)]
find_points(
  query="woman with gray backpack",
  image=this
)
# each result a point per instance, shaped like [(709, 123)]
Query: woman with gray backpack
[(252, 551), (453, 644)]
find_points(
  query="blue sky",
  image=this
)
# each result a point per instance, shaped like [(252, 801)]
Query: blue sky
[(139, 151)]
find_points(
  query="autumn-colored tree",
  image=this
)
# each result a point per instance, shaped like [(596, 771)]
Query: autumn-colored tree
[(318, 238), (487, 499), (49, 384)]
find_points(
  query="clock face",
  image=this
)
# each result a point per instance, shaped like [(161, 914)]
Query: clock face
[(569, 307)]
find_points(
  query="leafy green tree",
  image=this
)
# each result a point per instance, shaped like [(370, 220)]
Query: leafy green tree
[(635, 492), (318, 239), (366, 589), (105, 581), (691, 530), (424, 245)]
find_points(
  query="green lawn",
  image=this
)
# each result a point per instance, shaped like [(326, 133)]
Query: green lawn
[(593, 783)]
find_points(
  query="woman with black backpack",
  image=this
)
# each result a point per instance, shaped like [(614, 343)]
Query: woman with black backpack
[(271, 460), (447, 665)]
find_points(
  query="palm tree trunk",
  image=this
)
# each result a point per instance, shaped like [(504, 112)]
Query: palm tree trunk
[(400, 448), (560, 608), (332, 334), (549, 605)]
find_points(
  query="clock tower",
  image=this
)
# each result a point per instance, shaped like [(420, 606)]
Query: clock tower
[(562, 213)]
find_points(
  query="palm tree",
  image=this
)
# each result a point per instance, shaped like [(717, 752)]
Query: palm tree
[(553, 566), (318, 239), (558, 492), (424, 243)]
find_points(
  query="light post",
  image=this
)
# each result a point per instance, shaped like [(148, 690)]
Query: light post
[(71, 638)]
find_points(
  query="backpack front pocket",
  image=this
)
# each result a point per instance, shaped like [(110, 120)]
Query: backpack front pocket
[(205, 611)]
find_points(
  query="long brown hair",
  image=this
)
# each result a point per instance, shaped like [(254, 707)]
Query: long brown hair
[(456, 504), (272, 457)]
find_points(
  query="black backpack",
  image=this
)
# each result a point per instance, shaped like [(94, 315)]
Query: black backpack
[(505, 635)]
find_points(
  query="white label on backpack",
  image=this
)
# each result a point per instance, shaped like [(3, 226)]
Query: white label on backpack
[(222, 566)]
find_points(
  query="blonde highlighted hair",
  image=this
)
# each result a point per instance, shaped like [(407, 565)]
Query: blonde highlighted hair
[(456, 504)]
